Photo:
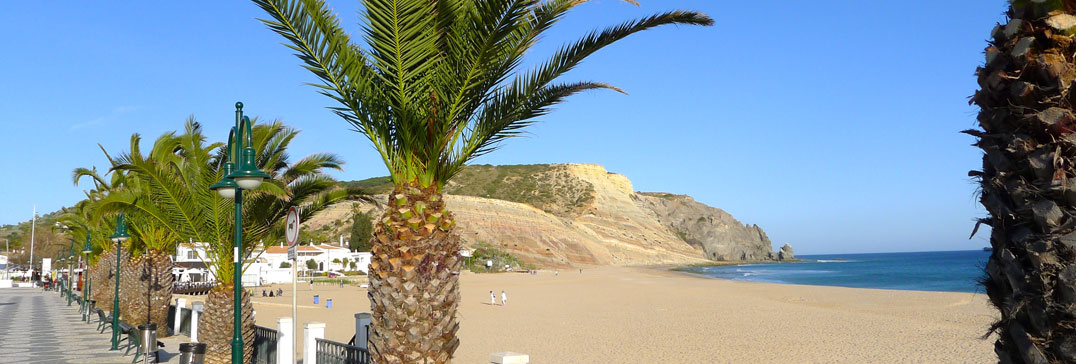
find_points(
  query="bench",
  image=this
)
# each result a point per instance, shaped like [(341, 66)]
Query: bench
[(133, 341), (103, 321)]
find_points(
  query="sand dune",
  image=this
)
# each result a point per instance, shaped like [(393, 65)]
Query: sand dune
[(647, 315)]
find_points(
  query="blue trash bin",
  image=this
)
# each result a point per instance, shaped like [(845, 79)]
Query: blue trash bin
[(315, 299), (329, 303)]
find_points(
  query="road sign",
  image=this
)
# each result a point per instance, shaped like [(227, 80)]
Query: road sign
[(291, 231)]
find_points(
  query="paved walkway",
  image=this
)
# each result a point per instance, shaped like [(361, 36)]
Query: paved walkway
[(39, 328)]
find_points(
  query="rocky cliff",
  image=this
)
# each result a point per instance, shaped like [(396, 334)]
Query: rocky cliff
[(580, 214), (713, 230)]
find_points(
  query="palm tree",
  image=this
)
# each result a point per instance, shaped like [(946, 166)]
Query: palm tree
[(432, 89), (166, 195), (1028, 180), (83, 217), (302, 183)]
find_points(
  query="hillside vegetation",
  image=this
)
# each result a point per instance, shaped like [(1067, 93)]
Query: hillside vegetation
[(540, 185)]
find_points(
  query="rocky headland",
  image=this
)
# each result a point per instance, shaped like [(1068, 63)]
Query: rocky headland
[(580, 215)]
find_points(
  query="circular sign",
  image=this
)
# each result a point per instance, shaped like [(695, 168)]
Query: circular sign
[(291, 229)]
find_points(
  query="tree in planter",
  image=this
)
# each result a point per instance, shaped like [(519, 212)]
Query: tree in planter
[(285, 265), (1028, 180), (436, 85)]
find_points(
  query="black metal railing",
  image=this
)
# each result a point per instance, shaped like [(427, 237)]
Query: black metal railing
[(331, 352), (265, 340), (192, 288)]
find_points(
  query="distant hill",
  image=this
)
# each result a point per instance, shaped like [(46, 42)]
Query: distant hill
[(576, 214)]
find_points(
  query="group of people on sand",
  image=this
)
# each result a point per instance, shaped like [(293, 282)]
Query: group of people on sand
[(493, 298)]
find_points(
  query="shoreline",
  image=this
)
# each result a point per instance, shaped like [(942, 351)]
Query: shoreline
[(630, 315), (689, 270)]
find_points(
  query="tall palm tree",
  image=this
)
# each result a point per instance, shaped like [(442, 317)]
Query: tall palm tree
[(434, 86), (300, 183), (166, 195), (102, 260), (1028, 180)]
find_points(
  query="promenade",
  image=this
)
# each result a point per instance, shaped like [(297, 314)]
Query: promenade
[(39, 328)]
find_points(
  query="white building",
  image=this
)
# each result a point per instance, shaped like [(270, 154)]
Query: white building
[(266, 267), (327, 257)]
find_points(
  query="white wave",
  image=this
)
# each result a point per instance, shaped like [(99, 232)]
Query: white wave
[(833, 261)]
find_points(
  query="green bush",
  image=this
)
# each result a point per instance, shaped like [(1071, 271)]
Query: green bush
[(285, 265), (484, 252)]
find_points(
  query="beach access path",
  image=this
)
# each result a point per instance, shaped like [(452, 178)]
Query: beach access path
[(39, 327)]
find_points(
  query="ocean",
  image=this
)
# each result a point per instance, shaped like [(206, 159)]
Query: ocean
[(954, 271)]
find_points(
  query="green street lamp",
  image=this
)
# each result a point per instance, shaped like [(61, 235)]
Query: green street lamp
[(86, 250), (57, 260), (118, 237), (70, 273), (247, 177)]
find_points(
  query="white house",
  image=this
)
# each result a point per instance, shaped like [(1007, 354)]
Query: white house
[(325, 256), (188, 265), (265, 268)]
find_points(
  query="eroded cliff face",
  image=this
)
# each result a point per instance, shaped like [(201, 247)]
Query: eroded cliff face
[(602, 222), (713, 230)]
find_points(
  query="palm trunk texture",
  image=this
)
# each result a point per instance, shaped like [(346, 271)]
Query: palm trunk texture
[(132, 292), (107, 279), (158, 274), (1028, 181), (414, 281), (216, 325)]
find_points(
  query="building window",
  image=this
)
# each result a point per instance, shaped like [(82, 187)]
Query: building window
[(191, 255)]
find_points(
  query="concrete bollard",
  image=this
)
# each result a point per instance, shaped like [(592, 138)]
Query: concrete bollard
[(180, 303), (362, 329), (509, 357), (284, 341), (311, 331), (196, 312)]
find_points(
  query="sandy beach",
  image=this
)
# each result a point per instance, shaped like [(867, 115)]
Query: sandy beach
[(645, 315)]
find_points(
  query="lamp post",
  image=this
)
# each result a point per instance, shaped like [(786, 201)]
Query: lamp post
[(247, 177), (118, 237), (70, 273), (56, 282), (86, 250)]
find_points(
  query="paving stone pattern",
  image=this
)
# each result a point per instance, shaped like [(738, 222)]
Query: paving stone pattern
[(38, 327)]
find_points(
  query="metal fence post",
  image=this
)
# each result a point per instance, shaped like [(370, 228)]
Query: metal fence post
[(311, 332)]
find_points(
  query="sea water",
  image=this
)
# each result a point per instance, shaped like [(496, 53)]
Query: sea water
[(956, 271)]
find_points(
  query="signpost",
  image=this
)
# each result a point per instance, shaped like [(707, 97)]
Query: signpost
[(291, 234)]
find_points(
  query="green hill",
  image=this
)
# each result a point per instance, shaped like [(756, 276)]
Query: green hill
[(538, 185)]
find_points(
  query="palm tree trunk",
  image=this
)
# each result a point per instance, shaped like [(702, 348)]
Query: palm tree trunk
[(159, 282), (216, 326), (132, 292), (414, 282), (1028, 181)]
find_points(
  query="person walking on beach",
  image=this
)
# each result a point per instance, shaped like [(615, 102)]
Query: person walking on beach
[(492, 298), (504, 298)]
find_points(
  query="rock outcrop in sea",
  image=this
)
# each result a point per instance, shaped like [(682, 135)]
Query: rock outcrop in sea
[(581, 214)]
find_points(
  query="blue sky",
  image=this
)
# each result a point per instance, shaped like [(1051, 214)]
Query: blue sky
[(832, 124)]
